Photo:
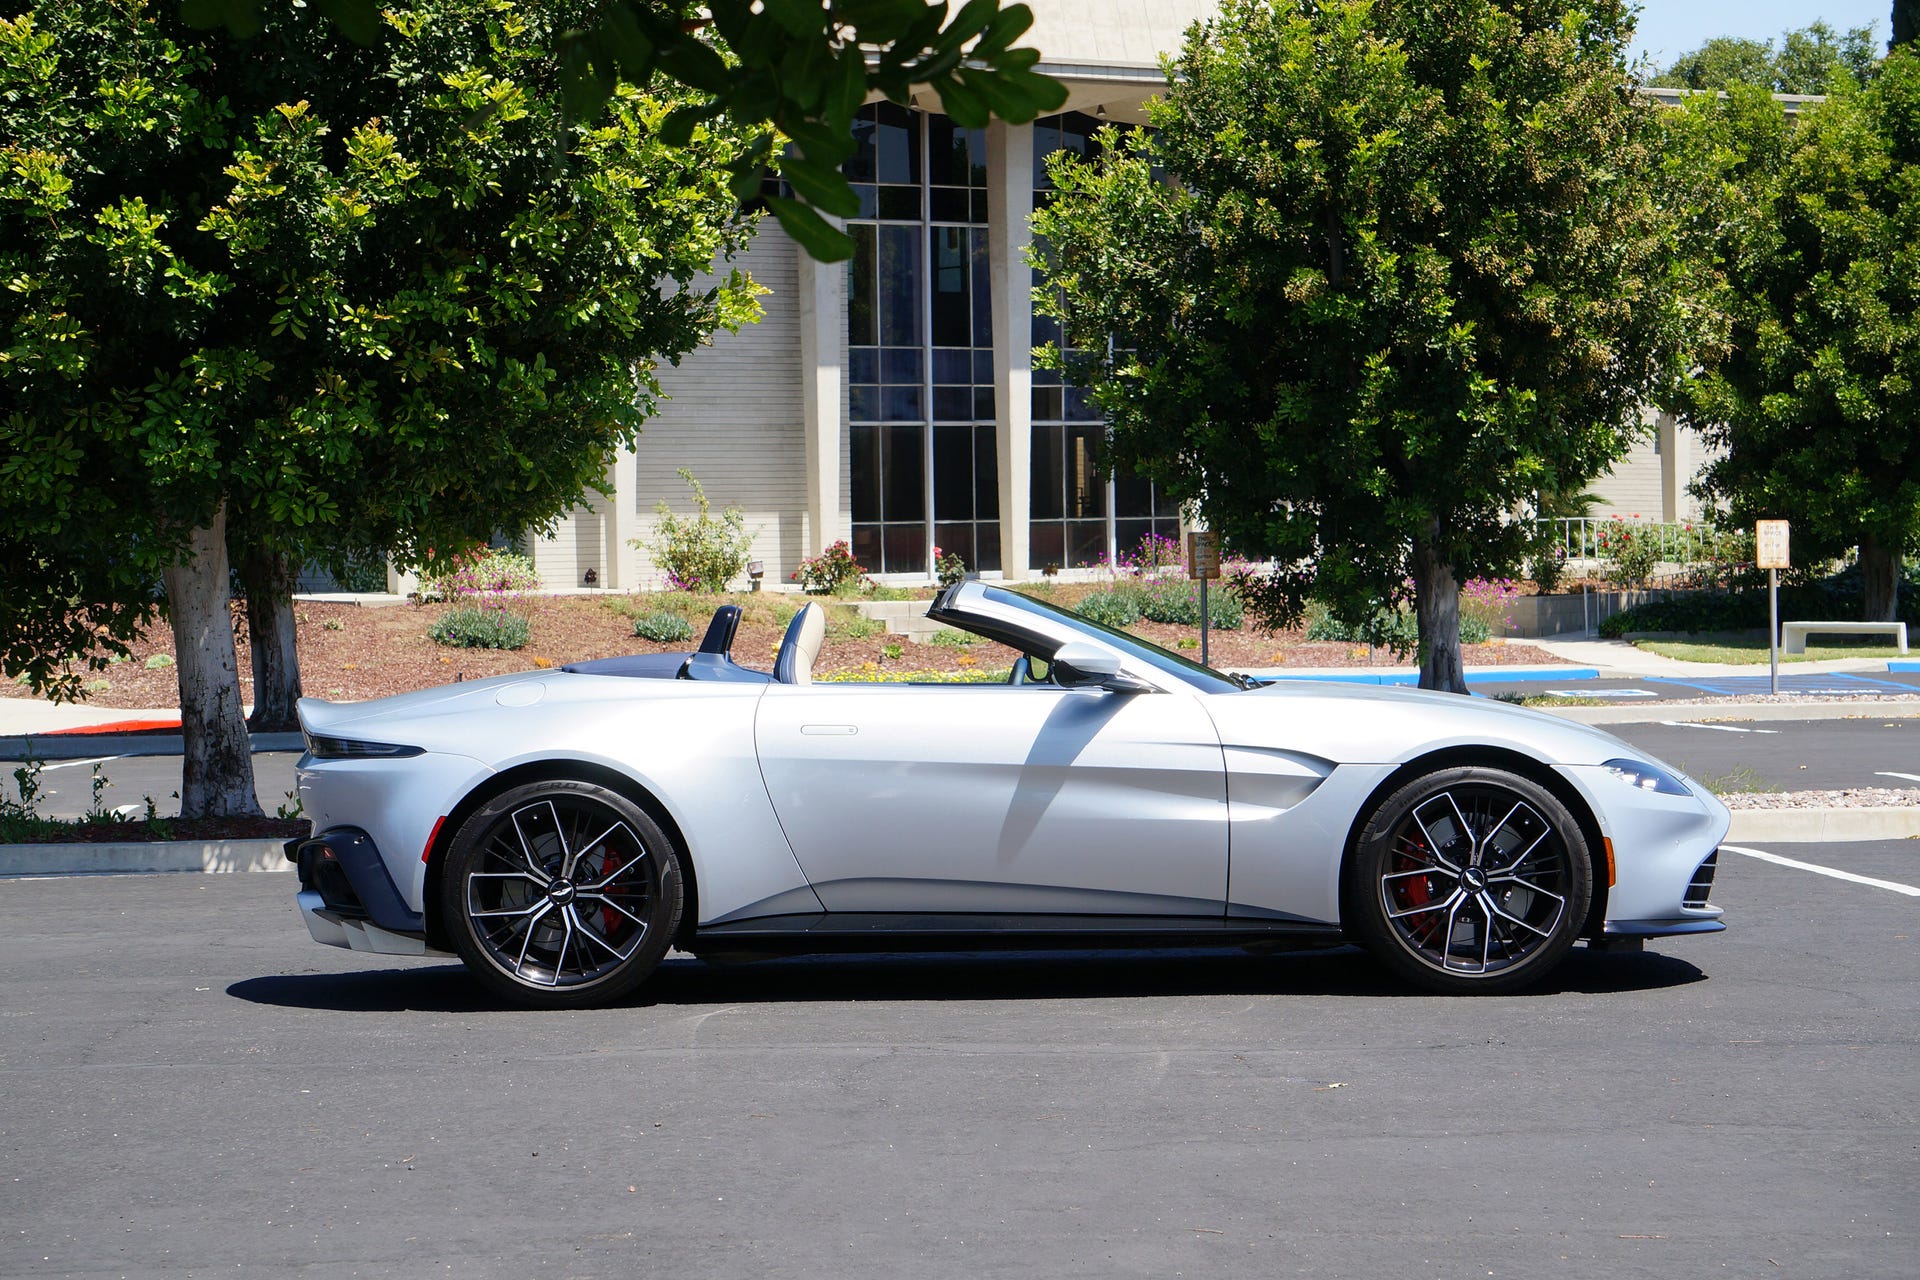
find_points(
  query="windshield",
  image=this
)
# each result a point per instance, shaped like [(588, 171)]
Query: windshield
[(1183, 669)]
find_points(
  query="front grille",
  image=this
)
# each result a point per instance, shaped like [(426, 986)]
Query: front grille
[(1702, 883)]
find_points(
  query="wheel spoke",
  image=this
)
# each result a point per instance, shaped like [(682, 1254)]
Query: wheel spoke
[(599, 886), (1432, 845), (1484, 843), (1446, 943), (610, 904), (592, 935), (531, 859), (1422, 871), (521, 962), (1453, 900), (1488, 904)]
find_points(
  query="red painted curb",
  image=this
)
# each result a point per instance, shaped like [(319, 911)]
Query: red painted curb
[(115, 726)]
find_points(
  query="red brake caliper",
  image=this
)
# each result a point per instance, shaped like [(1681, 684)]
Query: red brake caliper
[(1415, 891)]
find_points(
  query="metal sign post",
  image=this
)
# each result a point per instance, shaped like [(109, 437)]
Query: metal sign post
[(1203, 562), (1770, 553)]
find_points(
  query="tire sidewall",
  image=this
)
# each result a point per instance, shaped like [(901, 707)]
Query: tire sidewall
[(1374, 846), (663, 921)]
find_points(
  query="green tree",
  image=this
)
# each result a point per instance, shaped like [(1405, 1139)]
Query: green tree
[(319, 299), (1809, 60), (799, 68), (1411, 272), (1814, 232), (1906, 22)]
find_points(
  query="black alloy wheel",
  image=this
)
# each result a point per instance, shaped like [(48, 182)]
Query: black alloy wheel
[(561, 894), (1470, 880)]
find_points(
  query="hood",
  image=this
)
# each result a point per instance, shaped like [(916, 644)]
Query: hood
[(1386, 724)]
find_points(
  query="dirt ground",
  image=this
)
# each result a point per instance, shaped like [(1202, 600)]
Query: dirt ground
[(351, 652)]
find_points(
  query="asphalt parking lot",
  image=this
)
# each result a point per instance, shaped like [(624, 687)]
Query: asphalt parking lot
[(194, 1088)]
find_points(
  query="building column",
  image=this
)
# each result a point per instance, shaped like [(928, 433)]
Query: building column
[(619, 564), (822, 287), (1010, 281), (1673, 476)]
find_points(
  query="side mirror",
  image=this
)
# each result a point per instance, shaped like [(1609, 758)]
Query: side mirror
[(1078, 665)]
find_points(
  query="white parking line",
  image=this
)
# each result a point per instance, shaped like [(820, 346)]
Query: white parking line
[(1723, 728), (1888, 773), (75, 764), (1910, 890)]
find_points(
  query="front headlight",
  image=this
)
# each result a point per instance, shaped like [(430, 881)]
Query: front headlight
[(321, 747), (1647, 777)]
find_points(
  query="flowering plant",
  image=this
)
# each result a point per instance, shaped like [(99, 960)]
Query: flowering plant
[(948, 567), (832, 572)]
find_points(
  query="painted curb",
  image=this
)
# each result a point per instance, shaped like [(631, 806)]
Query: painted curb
[(1477, 675), (1825, 826), (220, 856)]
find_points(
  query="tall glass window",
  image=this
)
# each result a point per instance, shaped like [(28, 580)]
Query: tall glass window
[(1080, 512), (920, 345)]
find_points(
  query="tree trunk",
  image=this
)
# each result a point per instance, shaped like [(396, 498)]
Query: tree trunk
[(1436, 606), (268, 579), (1879, 581), (217, 777)]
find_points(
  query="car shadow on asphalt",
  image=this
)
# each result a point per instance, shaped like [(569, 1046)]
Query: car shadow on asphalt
[(1053, 975)]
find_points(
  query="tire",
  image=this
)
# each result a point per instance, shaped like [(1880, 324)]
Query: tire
[(561, 895), (1470, 881)]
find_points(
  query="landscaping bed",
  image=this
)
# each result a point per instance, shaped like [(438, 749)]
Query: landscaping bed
[(349, 652)]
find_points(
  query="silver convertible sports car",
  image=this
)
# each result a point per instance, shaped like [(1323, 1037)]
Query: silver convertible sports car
[(561, 829)]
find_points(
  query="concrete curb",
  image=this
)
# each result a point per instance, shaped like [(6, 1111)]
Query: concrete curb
[(21, 860), (1825, 826), (87, 746), (1651, 712)]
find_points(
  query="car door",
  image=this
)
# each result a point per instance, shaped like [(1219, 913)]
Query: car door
[(1006, 799)]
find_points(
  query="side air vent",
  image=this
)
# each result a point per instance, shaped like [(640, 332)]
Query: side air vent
[(1702, 883)]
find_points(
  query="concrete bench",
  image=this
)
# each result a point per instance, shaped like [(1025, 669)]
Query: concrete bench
[(1794, 634)]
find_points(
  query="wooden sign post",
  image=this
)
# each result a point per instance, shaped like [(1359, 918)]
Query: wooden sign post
[(1203, 563), (1770, 553)]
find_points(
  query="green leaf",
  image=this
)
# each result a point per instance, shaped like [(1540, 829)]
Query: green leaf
[(821, 185), (815, 235)]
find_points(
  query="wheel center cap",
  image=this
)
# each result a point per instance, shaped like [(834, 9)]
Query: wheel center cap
[(1474, 878), (561, 891)]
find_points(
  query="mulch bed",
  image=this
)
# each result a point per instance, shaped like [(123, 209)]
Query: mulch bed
[(142, 832), (350, 653)]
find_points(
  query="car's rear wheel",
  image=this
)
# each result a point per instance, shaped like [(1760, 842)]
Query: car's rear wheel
[(1470, 880), (561, 894)]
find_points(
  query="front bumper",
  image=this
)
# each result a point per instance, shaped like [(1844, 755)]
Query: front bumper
[(348, 899)]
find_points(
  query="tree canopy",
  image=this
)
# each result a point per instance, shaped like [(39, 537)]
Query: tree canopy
[(1814, 394), (324, 298), (798, 68), (1809, 60), (1411, 271)]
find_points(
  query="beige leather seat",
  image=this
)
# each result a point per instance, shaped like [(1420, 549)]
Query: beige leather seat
[(800, 646)]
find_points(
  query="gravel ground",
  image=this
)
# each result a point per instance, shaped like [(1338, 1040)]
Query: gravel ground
[(1847, 798)]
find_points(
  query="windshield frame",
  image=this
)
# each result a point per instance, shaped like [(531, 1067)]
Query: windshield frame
[(1164, 661)]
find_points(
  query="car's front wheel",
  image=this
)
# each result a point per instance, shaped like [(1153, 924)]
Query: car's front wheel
[(1470, 880), (561, 894)]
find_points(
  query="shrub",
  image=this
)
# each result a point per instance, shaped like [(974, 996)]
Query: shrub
[(850, 624), (1484, 605), (948, 567), (1630, 553), (833, 572), (1118, 607), (1394, 629), (948, 638), (490, 572), (1177, 601), (472, 627), (662, 628), (701, 553)]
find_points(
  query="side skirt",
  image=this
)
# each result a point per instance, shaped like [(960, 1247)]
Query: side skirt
[(854, 932)]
